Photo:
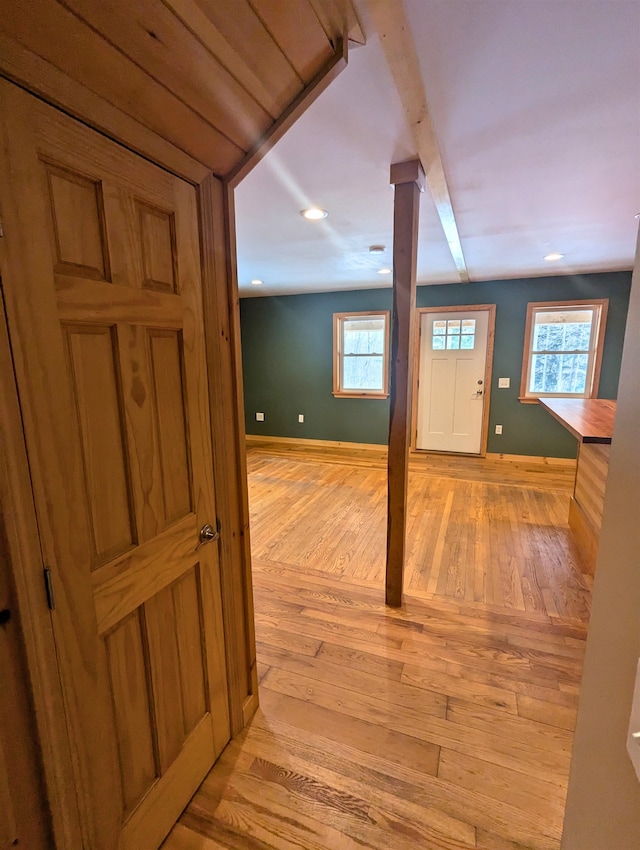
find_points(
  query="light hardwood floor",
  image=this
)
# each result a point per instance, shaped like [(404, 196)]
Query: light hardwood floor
[(444, 725)]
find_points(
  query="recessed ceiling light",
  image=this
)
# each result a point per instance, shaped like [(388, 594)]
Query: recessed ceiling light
[(314, 214), (257, 282), (553, 256), (384, 271), (376, 249)]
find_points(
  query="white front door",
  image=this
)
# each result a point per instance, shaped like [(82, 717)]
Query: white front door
[(451, 380)]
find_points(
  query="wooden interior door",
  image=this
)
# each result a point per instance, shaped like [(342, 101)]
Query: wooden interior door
[(23, 811), (103, 296)]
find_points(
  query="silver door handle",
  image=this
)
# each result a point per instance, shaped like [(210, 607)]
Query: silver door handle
[(207, 534)]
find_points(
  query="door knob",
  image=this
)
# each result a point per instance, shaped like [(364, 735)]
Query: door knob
[(207, 534)]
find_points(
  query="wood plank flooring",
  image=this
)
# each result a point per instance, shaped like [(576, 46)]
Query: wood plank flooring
[(444, 725)]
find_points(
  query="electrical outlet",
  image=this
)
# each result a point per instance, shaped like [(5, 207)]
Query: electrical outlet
[(301, 417), (498, 429), (504, 383), (259, 417)]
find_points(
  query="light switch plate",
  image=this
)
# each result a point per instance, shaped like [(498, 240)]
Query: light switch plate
[(633, 743), (504, 383)]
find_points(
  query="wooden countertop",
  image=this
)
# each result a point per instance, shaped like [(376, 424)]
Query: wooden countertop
[(590, 420)]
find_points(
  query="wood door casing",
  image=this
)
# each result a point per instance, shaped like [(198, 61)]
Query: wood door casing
[(105, 315), (24, 818)]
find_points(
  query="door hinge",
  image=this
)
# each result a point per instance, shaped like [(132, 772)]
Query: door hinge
[(1, 230), (48, 586)]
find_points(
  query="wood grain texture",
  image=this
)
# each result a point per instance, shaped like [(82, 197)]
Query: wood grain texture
[(222, 323), (586, 539), (82, 54), (591, 482), (44, 79), (297, 32), (245, 47), (96, 380), (499, 533), (114, 567), (443, 724), (206, 79), (24, 818), (157, 41), (126, 662), (405, 252), (31, 639), (590, 420)]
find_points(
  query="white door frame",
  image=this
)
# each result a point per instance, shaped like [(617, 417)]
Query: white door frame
[(488, 369)]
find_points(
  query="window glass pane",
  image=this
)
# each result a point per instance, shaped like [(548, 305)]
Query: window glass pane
[(468, 326), (453, 342), (453, 326), (439, 327), (364, 335), (467, 342), (362, 373), (563, 330), (437, 343), (559, 373)]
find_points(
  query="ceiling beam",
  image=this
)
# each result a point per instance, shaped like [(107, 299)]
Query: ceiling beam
[(394, 31)]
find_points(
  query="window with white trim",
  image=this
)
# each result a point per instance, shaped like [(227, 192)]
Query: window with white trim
[(563, 349), (361, 354)]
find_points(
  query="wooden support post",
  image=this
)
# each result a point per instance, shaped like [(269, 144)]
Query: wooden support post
[(408, 179)]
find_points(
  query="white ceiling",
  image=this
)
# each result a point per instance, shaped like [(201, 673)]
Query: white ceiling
[(536, 107)]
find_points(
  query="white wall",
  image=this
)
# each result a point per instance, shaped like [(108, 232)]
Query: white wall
[(603, 804)]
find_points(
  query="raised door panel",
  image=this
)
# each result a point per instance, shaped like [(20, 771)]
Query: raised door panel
[(168, 389), (157, 232), (116, 420), (190, 632), (126, 655), (95, 380), (77, 219)]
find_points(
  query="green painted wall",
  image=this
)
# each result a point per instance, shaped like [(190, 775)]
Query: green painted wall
[(288, 360)]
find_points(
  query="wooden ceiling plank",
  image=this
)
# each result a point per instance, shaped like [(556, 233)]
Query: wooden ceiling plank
[(338, 17), (336, 64), (247, 36), (397, 43), (84, 56), (159, 43), (41, 77), (295, 28), (194, 19), (355, 30)]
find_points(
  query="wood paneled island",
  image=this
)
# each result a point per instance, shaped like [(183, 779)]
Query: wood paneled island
[(591, 423)]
